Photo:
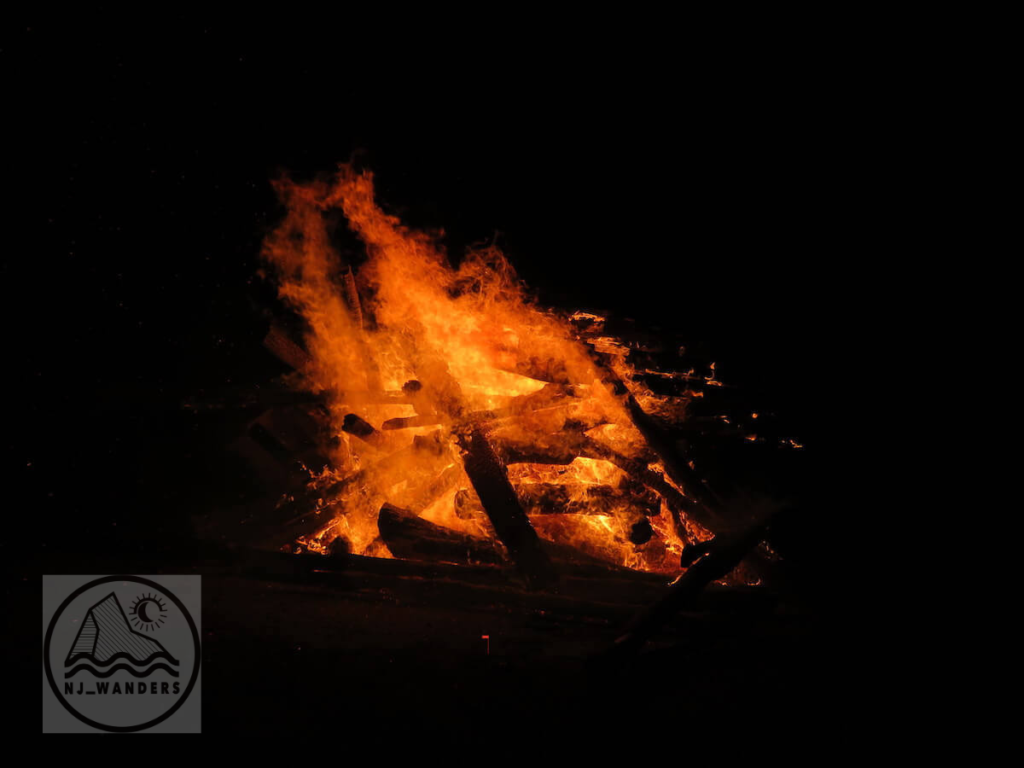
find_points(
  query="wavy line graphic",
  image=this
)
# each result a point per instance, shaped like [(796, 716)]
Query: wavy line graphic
[(123, 655), (121, 668)]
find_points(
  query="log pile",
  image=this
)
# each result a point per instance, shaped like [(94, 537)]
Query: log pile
[(474, 465)]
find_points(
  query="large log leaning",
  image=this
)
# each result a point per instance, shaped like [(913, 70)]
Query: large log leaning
[(490, 481)]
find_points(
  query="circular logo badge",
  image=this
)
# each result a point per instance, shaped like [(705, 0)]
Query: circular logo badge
[(122, 653)]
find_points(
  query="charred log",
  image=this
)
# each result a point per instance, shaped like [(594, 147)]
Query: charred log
[(413, 538), (490, 481)]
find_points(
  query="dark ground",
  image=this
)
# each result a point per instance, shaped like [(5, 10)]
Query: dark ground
[(715, 203)]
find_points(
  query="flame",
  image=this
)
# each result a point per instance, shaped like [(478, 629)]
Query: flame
[(404, 338)]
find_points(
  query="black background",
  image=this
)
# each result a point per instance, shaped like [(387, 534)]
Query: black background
[(710, 189)]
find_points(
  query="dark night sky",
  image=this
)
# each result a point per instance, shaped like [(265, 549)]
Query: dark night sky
[(702, 192)]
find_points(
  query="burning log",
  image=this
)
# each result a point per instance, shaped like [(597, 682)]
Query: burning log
[(413, 538), (490, 481)]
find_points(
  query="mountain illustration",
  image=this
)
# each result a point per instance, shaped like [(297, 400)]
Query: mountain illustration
[(107, 637)]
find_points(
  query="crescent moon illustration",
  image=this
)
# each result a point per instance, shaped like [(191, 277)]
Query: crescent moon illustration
[(147, 613)]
